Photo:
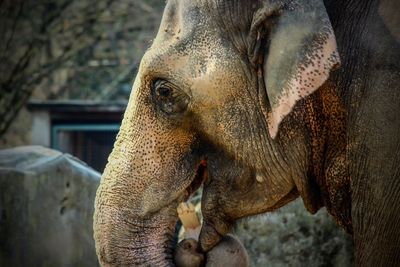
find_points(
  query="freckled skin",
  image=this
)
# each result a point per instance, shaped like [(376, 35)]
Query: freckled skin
[(253, 91)]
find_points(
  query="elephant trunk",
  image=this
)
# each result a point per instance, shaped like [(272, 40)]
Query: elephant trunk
[(123, 240), (125, 235), (149, 172)]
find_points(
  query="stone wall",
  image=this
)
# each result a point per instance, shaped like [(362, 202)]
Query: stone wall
[(46, 209)]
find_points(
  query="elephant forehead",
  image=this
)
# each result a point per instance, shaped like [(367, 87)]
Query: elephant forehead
[(183, 20), (189, 61), (191, 51), (192, 48), (202, 72)]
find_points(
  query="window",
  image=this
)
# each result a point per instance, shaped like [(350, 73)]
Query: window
[(91, 143)]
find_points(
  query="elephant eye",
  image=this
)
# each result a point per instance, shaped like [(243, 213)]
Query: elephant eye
[(169, 98), (164, 91)]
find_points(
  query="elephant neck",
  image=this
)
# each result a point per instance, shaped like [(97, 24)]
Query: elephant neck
[(350, 13), (326, 123), (368, 41)]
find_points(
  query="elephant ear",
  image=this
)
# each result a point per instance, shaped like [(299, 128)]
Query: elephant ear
[(297, 47)]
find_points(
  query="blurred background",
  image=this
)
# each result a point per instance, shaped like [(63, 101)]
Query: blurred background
[(66, 72), (67, 69)]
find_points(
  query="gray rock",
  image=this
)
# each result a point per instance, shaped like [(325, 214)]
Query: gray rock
[(46, 208), (293, 237)]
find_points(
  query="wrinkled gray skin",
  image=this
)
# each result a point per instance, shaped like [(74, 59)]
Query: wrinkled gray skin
[(251, 90)]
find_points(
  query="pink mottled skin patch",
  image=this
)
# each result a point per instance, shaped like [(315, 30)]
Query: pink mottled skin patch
[(305, 81)]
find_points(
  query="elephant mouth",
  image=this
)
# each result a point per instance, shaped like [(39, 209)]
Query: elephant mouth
[(201, 176)]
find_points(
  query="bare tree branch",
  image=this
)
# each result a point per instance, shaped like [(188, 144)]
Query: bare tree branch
[(21, 5), (43, 38), (19, 84), (113, 86)]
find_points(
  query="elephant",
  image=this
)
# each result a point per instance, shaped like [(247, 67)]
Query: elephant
[(260, 102)]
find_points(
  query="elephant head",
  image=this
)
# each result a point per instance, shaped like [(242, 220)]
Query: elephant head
[(219, 80)]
